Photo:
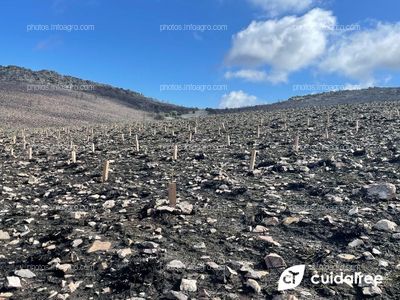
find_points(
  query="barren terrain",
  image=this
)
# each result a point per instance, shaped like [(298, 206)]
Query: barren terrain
[(47, 99), (331, 204)]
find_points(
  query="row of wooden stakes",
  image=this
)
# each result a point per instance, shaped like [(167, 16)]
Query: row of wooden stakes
[(174, 153), (326, 134)]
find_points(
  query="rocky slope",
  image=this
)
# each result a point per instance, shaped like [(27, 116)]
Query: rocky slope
[(376, 94), (331, 205), (45, 98)]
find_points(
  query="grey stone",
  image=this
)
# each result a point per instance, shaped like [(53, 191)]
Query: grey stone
[(25, 273), (382, 191), (188, 285)]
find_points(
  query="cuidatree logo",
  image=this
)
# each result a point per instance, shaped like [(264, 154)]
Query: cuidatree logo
[(291, 277)]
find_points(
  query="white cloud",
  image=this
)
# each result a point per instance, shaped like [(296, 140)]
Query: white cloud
[(360, 54), (257, 76), (352, 87), (284, 45), (248, 75), (237, 99), (279, 7)]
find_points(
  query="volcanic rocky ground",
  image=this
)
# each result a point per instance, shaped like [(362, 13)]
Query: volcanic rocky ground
[(331, 205)]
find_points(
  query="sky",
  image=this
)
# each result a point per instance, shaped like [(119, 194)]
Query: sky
[(208, 53)]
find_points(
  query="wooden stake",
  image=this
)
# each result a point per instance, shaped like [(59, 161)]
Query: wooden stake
[(137, 143), (30, 153), (229, 140), (172, 194), (93, 147), (106, 169), (357, 126), (326, 133), (73, 156), (175, 154), (308, 122), (190, 136), (253, 159), (296, 144)]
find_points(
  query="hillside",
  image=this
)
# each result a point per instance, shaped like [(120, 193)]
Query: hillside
[(46, 98), (88, 215), (325, 99)]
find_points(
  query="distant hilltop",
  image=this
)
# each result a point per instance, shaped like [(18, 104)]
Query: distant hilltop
[(376, 94), (46, 98)]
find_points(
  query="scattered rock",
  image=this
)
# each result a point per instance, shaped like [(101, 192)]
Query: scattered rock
[(260, 229), (76, 243), (176, 264), (109, 204), (188, 285), (25, 273), (13, 282), (383, 191), (4, 235), (185, 207), (64, 267), (273, 261), (346, 257), (290, 220), (269, 240), (356, 243), (371, 291), (254, 285), (122, 253), (385, 225), (99, 246), (178, 295)]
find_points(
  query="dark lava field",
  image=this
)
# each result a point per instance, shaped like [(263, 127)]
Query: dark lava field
[(332, 204)]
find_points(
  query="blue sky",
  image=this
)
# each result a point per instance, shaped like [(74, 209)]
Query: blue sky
[(264, 50)]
